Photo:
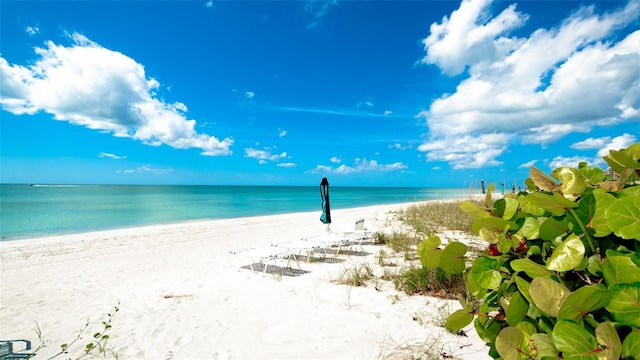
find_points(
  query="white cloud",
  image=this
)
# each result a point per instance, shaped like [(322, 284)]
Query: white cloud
[(318, 8), (32, 30), (387, 112), (208, 4), (359, 166), (528, 164), (617, 143), (112, 156), (571, 78), (282, 133), (145, 169), (249, 94), (591, 143), (335, 160), (573, 161), (467, 151), (286, 165), (264, 155), (86, 84)]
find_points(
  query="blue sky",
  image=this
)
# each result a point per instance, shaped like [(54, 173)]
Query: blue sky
[(397, 93)]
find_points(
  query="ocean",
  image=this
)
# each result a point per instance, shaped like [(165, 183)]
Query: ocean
[(46, 210)]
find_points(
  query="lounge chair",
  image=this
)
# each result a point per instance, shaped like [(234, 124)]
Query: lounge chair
[(7, 351), (260, 258)]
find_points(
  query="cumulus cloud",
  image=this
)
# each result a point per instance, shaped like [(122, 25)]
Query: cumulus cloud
[(467, 151), (88, 85), (359, 166), (603, 145), (32, 30), (264, 155), (335, 160), (528, 164), (112, 156), (570, 78)]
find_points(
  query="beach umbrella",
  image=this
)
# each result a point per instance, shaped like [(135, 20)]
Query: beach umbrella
[(324, 195)]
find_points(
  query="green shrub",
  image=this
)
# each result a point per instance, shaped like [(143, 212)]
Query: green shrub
[(561, 275)]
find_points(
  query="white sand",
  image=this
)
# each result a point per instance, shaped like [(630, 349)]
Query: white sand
[(182, 295)]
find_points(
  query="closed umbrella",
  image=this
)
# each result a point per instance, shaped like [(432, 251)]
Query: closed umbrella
[(324, 195)]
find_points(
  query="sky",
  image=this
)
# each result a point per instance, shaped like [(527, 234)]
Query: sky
[(366, 93)]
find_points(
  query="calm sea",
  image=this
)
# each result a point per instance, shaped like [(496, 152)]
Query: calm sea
[(46, 210)]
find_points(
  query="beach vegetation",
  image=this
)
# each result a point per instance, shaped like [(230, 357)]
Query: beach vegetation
[(560, 274), (359, 275), (97, 347)]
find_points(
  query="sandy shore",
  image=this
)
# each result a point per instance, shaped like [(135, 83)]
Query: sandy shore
[(181, 294)]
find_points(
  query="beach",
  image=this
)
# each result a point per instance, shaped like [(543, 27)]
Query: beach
[(182, 292)]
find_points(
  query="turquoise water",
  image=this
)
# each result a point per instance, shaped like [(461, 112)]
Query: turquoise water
[(46, 210)]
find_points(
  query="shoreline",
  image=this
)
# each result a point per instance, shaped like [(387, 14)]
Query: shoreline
[(182, 294)]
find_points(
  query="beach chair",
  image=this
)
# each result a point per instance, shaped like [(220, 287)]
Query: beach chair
[(263, 259), (358, 236), (7, 351)]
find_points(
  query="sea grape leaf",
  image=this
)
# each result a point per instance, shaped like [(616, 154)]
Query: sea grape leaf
[(489, 235), (574, 341), (594, 265), (530, 267), (631, 345), (598, 220), (606, 335), (523, 286), (527, 207), (485, 272), (541, 180), (459, 319), (625, 304), (474, 288), (430, 258), (620, 270), (571, 180), (488, 198), (452, 258), (552, 227), (623, 217), (543, 346), (527, 328), (510, 343), (548, 295), (593, 174), (530, 229), (517, 309), (429, 252), (511, 207), (619, 160), (631, 191), (487, 328), (555, 204), (586, 299), (568, 255), (495, 224), (473, 210)]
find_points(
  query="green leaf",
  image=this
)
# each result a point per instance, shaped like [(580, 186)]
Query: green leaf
[(509, 207), (568, 255), (531, 268), (553, 227), (631, 345), (452, 259), (471, 209), (524, 286), (572, 181), (619, 160), (474, 288), (517, 309), (459, 319), (555, 204), (530, 229), (594, 265), (625, 304), (492, 223), (485, 272), (428, 252), (543, 346), (574, 341), (606, 335), (541, 180), (510, 343), (598, 221), (620, 270), (489, 235), (548, 295), (593, 174), (583, 301), (623, 217), (631, 191)]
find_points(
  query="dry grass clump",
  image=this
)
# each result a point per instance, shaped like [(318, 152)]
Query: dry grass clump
[(430, 217)]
